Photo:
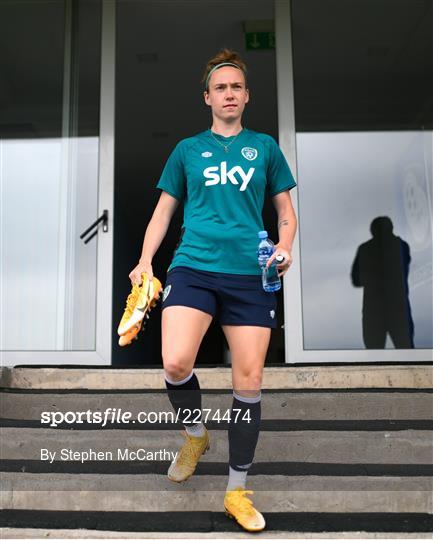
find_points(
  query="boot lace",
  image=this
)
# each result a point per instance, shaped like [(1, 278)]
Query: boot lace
[(189, 451), (132, 299), (242, 502)]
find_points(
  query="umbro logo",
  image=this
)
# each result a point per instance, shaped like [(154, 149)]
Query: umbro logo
[(206, 154)]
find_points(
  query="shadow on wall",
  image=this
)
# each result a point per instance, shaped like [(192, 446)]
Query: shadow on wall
[(381, 266)]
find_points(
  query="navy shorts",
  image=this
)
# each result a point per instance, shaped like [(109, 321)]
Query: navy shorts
[(230, 298)]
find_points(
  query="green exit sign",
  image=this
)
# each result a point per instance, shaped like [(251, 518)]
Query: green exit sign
[(259, 40)]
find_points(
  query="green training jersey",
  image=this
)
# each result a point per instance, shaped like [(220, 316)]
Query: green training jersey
[(223, 194)]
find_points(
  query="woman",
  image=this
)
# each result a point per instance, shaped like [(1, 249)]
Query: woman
[(222, 175)]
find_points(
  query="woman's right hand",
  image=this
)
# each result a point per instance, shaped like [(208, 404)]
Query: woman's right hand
[(142, 266)]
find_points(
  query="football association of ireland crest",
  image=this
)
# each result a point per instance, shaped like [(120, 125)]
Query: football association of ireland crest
[(249, 153)]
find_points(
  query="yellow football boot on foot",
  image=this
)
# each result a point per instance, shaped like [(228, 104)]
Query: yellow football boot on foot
[(186, 460), (240, 508), (139, 302)]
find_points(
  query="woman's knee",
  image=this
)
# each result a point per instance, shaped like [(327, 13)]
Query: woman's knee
[(176, 368), (249, 381)]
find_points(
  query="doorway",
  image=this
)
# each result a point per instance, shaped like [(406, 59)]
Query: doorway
[(161, 53)]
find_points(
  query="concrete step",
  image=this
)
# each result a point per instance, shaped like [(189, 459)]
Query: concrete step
[(295, 377), (323, 405), (152, 493), (217, 525), (398, 447), (8, 532), (325, 460)]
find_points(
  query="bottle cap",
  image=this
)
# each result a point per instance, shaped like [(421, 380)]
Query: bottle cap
[(263, 234)]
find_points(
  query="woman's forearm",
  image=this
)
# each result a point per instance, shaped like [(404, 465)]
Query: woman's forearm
[(155, 233), (158, 226), (287, 225), (287, 222)]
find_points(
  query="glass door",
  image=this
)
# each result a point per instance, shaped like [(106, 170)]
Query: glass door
[(56, 181), (359, 137)]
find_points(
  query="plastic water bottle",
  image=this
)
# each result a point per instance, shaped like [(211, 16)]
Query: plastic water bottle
[(270, 279)]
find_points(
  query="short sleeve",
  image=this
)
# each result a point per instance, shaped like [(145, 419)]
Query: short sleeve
[(173, 179), (279, 175)]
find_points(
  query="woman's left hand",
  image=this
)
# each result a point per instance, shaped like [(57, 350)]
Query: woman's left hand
[(285, 263)]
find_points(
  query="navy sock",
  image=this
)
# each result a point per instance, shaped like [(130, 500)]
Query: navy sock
[(185, 397), (244, 433)]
